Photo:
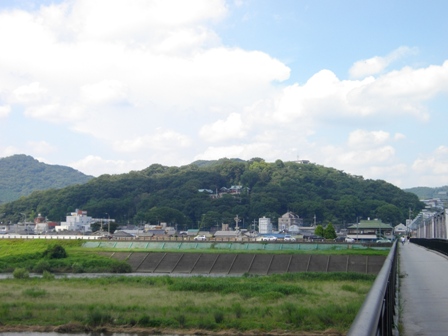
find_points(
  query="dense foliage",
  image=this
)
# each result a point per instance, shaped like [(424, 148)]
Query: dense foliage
[(171, 194), (21, 175), (427, 192)]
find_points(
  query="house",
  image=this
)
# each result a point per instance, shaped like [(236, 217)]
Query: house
[(287, 220), (401, 229), (370, 230)]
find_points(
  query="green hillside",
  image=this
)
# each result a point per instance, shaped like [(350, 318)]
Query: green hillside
[(171, 194), (22, 174), (427, 192)]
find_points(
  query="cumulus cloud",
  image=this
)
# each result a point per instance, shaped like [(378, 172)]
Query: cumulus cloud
[(433, 167), (148, 81), (104, 92), (40, 147), (377, 64), (363, 138), (94, 165), (4, 110), (231, 128), (162, 140), (30, 93)]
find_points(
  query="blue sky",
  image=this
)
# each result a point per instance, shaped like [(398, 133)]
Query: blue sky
[(110, 86)]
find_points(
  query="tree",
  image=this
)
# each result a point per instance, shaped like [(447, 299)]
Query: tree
[(319, 231), (329, 232)]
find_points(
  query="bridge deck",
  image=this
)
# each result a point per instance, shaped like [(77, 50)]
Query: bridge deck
[(423, 291)]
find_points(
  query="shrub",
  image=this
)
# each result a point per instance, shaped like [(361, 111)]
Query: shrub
[(47, 275), (77, 268), (219, 316), (98, 318), (181, 319), (41, 266), (144, 321), (21, 273), (121, 267), (55, 252), (238, 309)]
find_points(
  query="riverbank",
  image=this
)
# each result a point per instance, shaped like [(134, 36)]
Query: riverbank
[(74, 329)]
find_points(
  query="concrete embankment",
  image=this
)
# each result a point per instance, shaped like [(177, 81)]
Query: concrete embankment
[(234, 263)]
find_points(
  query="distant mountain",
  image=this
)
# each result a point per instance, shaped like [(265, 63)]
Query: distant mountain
[(20, 175), (200, 195), (427, 192)]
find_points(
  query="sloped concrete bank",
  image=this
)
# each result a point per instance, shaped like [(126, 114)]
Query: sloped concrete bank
[(246, 263)]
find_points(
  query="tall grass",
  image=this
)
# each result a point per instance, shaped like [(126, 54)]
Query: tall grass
[(257, 304)]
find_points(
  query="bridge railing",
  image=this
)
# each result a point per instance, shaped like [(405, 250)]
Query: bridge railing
[(377, 315), (436, 244)]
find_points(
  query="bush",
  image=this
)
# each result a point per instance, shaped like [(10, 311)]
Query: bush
[(55, 252), (21, 273), (77, 267), (47, 275), (219, 316), (121, 267), (41, 266), (144, 321)]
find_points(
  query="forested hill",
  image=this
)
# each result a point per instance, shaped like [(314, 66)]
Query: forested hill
[(178, 195), (427, 192), (22, 174)]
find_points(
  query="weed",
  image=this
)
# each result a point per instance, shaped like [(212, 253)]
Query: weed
[(219, 316), (21, 273), (34, 292)]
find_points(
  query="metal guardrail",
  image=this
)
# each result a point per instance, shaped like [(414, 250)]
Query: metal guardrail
[(377, 314), (436, 244)]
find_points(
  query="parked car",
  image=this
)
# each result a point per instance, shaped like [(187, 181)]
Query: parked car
[(269, 238), (349, 240), (289, 238), (183, 233), (384, 241), (340, 239), (200, 238), (314, 238)]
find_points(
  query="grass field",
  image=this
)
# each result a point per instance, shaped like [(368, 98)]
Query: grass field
[(292, 303), (256, 304)]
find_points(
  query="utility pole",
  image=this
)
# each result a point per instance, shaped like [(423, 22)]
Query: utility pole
[(108, 223)]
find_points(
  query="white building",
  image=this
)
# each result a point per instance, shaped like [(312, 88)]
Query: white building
[(289, 219), (77, 221), (264, 225)]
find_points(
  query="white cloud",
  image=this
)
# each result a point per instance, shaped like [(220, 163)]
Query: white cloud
[(377, 64), (94, 165), (30, 93), (40, 147), (231, 128), (161, 141), (104, 92), (245, 152), (363, 138), (4, 110), (433, 167)]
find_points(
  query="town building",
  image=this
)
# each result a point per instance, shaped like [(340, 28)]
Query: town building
[(370, 230), (77, 221), (288, 220), (401, 229), (264, 225)]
